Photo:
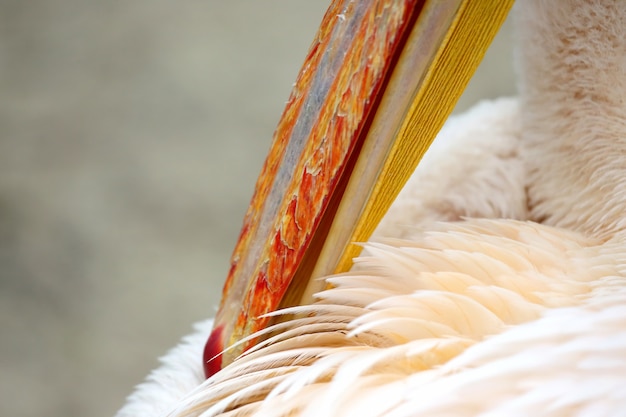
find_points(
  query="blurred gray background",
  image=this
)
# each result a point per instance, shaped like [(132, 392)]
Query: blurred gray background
[(131, 134)]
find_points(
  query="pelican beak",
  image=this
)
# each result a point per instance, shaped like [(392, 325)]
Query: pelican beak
[(377, 85)]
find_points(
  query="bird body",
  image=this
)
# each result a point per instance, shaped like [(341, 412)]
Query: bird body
[(495, 285)]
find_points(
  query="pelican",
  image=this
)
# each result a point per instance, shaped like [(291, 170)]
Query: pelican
[(494, 285)]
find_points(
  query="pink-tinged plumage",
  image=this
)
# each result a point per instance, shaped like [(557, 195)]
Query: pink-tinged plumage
[(495, 286)]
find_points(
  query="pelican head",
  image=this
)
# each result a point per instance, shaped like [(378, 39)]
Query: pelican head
[(500, 287)]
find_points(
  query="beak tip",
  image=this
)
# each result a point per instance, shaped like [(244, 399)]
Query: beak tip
[(212, 356)]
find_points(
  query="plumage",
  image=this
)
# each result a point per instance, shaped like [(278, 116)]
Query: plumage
[(496, 283)]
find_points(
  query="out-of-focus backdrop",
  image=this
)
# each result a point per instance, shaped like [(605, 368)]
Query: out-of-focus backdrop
[(131, 134)]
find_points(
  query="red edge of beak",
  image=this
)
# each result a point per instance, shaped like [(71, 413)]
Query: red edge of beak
[(212, 355)]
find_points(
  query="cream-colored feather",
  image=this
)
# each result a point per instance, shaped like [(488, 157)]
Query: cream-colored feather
[(453, 289), (495, 286)]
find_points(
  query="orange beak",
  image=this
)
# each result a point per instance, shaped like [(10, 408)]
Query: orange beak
[(377, 85)]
